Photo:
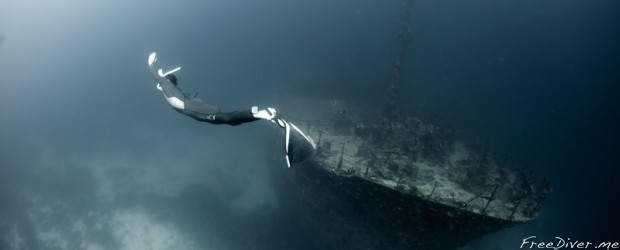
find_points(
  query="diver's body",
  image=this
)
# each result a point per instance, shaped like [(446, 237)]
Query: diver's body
[(198, 109), (195, 107)]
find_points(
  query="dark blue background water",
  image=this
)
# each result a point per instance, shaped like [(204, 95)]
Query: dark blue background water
[(92, 156)]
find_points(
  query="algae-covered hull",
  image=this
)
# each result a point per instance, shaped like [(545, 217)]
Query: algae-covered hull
[(353, 213), (400, 183)]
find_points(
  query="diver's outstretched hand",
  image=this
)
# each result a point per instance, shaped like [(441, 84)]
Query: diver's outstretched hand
[(153, 58)]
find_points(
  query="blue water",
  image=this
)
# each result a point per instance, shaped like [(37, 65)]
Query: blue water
[(92, 156)]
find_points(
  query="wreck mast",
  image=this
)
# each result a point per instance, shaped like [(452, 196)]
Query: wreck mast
[(403, 41)]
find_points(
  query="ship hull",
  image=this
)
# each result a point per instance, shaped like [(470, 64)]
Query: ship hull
[(349, 212)]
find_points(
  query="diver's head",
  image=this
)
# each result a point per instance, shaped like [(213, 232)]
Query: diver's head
[(172, 78)]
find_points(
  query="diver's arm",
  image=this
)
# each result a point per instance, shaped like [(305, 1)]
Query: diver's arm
[(151, 61), (174, 96)]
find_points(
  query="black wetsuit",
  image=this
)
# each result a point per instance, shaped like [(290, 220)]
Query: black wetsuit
[(196, 108)]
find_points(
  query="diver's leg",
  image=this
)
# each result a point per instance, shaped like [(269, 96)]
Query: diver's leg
[(233, 118), (199, 110), (238, 117)]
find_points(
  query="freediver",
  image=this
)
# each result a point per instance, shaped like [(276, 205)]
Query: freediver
[(196, 108)]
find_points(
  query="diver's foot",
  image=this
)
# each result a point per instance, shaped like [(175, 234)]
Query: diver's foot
[(289, 130), (265, 114), (292, 129), (268, 114)]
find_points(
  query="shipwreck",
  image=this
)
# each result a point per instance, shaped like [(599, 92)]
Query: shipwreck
[(400, 183), (391, 180)]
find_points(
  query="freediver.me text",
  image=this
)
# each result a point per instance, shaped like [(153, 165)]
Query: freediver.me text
[(561, 243)]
